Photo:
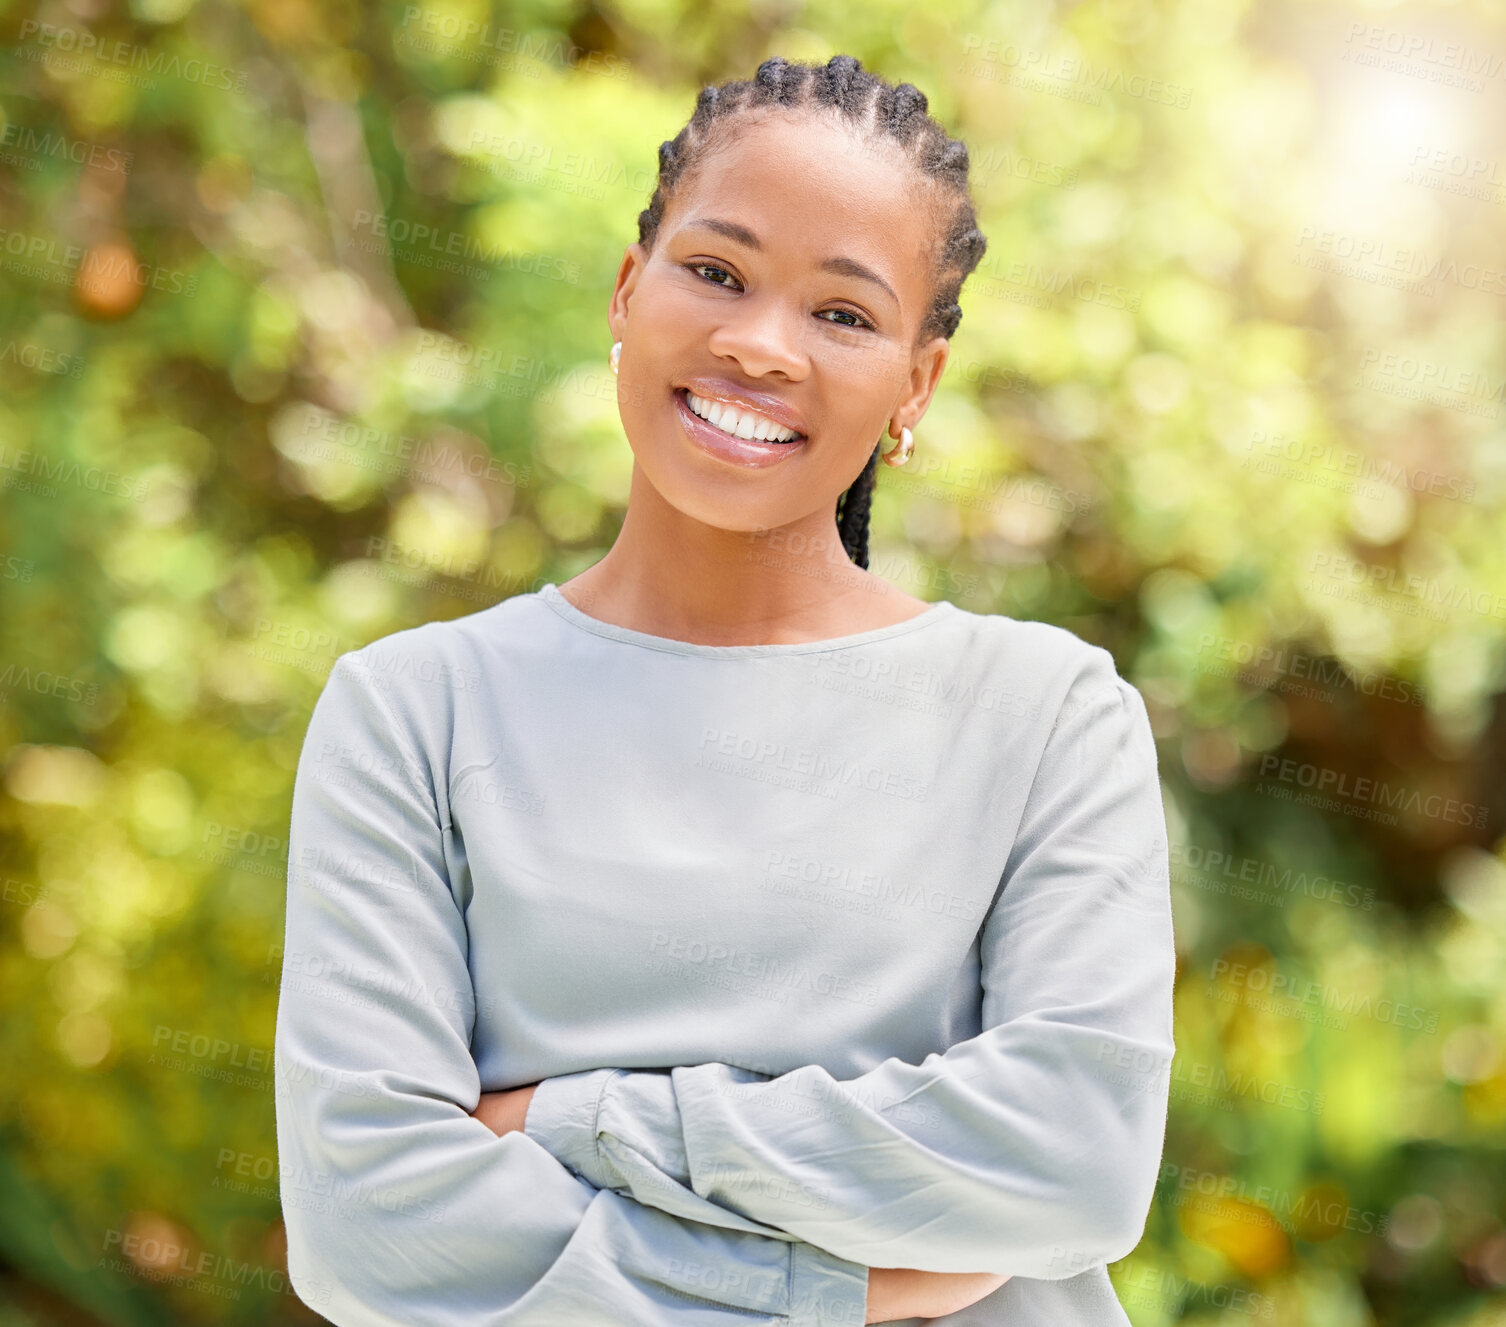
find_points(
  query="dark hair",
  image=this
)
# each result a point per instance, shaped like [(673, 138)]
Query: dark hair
[(876, 108)]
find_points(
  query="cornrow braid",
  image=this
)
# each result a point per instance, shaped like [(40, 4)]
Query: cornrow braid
[(878, 110)]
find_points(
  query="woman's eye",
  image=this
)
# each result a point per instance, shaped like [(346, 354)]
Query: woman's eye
[(710, 267), (698, 268), (848, 313)]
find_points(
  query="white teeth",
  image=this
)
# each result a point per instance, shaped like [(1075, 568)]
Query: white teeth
[(743, 424)]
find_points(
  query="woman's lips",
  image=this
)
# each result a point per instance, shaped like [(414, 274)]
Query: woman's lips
[(747, 452)]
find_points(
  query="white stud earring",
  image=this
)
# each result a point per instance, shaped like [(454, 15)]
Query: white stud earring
[(615, 357), (900, 452)]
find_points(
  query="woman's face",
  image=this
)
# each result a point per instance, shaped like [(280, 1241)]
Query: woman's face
[(790, 272)]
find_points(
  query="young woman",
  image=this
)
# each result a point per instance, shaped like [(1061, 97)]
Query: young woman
[(725, 936)]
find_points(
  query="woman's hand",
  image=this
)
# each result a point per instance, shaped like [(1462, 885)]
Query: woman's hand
[(504, 1112), (896, 1293)]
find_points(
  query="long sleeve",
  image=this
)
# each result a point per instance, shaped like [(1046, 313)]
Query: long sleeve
[(402, 1210), (1030, 1149)]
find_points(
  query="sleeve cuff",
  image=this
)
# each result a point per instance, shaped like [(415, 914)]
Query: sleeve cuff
[(640, 1110), (825, 1290), (561, 1119)]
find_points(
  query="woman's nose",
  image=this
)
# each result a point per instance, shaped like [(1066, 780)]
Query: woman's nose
[(764, 337)]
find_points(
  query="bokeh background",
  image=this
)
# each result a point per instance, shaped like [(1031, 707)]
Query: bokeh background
[(303, 341)]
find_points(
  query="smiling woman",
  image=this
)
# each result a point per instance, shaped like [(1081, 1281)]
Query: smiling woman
[(798, 266), (771, 946)]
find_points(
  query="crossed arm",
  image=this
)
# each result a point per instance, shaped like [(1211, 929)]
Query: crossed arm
[(684, 1196), (893, 1292)]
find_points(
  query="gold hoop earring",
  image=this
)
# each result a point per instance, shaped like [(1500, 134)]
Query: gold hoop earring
[(900, 452), (615, 358)]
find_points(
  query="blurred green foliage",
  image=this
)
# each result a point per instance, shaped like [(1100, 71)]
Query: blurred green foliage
[(303, 341)]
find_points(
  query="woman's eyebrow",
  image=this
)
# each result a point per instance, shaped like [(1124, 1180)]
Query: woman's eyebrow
[(733, 230)]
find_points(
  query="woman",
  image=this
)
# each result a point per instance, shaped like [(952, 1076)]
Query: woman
[(725, 936)]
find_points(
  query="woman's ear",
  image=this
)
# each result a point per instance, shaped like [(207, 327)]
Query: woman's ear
[(926, 368), (634, 259)]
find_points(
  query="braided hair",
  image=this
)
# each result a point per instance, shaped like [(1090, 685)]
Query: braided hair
[(877, 109)]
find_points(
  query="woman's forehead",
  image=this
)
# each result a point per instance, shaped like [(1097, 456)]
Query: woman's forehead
[(791, 182)]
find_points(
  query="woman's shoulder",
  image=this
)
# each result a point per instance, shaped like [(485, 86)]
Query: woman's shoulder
[(1042, 647), (446, 640), (1048, 672), (427, 666)]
